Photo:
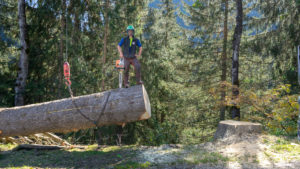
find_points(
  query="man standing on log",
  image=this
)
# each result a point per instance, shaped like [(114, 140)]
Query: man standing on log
[(130, 44)]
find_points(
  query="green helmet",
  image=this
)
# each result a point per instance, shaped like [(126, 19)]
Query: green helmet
[(130, 27)]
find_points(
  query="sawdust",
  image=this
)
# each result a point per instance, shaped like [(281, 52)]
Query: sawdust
[(247, 151), (158, 155)]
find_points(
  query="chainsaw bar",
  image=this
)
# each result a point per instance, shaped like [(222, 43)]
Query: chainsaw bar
[(120, 68)]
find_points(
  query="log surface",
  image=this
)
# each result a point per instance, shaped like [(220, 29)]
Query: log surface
[(123, 105)]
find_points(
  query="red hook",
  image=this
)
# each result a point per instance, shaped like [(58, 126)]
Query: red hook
[(67, 74)]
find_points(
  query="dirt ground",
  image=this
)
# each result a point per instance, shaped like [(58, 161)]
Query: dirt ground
[(249, 151)]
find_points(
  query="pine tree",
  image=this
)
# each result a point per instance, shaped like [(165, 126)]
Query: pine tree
[(23, 61)]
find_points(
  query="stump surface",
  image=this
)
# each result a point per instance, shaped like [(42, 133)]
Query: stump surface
[(229, 128)]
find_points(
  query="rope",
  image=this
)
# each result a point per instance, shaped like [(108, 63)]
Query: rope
[(82, 114), (66, 16), (69, 85)]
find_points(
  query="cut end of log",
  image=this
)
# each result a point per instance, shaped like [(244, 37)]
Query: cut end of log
[(147, 113), (230, 128)]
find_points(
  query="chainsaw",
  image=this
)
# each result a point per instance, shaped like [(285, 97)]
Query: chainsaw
[(120, 67)]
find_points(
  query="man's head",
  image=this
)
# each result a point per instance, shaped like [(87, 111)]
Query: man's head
[(130, 30)]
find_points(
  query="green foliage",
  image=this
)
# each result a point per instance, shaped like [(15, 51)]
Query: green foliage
[(283, 118), (276, 108)]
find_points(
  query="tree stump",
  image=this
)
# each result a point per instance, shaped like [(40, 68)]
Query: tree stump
[(229, 128)]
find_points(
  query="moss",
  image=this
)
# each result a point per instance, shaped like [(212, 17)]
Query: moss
[(92, 147), (266, 141), (287, 148), (6, 147), (133, 165)]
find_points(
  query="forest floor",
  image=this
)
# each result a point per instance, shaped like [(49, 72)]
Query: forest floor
[(252, 151)]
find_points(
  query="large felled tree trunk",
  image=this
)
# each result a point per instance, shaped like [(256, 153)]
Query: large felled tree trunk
[(23, 62), (60, 116), (235, 58)]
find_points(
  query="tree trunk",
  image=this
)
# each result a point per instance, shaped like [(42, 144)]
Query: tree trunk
[(23, 62), (167, 11), (61, 55), (105, 40), (235, 58), (224, 65), (60, 116)]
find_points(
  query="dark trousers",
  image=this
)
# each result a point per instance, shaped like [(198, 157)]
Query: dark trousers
[(137, 69)]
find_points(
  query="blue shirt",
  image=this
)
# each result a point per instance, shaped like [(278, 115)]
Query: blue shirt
[(137, 42)]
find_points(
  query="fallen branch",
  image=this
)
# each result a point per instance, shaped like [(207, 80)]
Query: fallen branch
[(12, 140), (57, 139)]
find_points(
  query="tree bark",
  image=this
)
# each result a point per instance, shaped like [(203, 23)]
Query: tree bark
[(235, 58), (23, 62), (167, 14), (224, 64), (106, 20), (61, 55), (122, 106)]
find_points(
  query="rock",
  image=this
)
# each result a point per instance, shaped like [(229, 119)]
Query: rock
[(230, 128)]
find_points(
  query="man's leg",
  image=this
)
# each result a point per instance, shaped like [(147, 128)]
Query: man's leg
[(137, 69), (126, 71)]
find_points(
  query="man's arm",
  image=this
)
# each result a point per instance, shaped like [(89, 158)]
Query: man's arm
[(120, 51), (140, 48), (140, 52)]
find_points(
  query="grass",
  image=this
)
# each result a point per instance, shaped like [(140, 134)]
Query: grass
[(277, 149), (133, 165), (206, 158), (285, 146), (6, 147), (288, 151), (90, 157), (197, 156), (282, 148)]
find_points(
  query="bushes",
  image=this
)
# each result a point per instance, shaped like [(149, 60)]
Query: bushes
[(277, 109), (283, 117)]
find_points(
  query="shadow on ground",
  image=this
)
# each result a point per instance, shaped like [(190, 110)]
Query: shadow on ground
[(70, 159)]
